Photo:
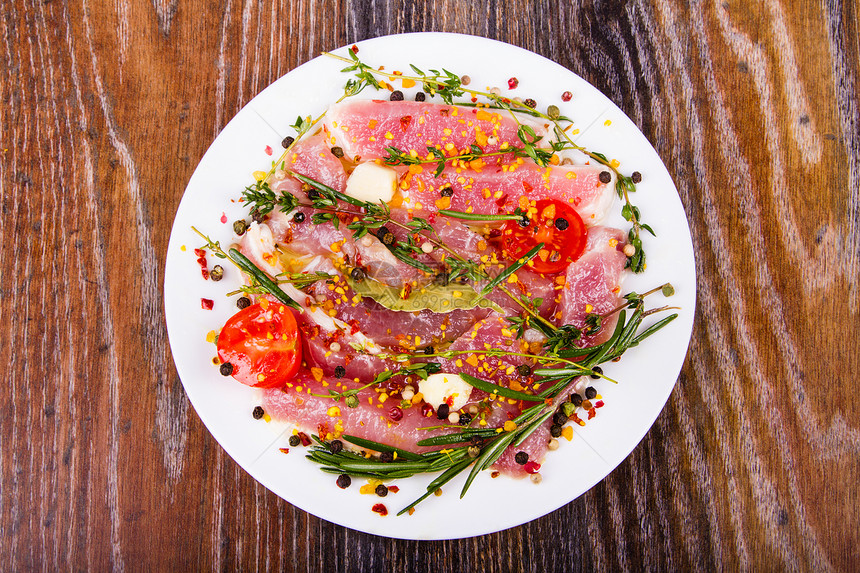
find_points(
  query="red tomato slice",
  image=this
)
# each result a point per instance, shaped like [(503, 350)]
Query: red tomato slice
[(556, 225), (262, 343)]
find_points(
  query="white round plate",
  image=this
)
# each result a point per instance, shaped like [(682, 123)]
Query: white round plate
[(646, 374)]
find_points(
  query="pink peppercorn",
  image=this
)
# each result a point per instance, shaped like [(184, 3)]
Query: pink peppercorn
[(206, 304), (532, 467), (566, 96), (395, 413), (513, 83)]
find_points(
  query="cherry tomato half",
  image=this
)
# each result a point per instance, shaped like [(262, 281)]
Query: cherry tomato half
[(262, 343), (556, 225)]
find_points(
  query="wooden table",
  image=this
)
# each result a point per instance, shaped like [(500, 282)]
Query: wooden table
[(108, 106)]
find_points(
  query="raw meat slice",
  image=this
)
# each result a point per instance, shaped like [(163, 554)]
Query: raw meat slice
[(497, 189), (593, 283), (364, 128)]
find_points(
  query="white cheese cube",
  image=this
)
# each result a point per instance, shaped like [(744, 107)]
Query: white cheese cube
[(441, 386), (372, 183)]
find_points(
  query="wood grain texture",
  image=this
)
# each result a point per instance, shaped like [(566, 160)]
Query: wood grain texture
[(105, 110)]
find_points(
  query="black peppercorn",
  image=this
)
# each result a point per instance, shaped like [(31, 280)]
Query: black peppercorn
[(605, 177), (524, 370), (336, 446), (258, 412), (576, 399), (294, 441), (420, 96), (243, 302), (217, 273), (429, 350), (561, 224), (357, 274), (465, 419), (555, 430), (313, 194), (446, 191), (344, 481), (339, 372), (559, 418), (257, 216), (337, 151), (524, 222), (442, 411), (590, 393), (521, 458), (636, 177), (386, 457), (299, 217), (226, 369), (288, 141), (385, 235), (396, 95), (476, 441), (381, 490), (597, 372)]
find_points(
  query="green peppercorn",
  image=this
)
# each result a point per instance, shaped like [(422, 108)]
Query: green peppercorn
[(524, 370), (226, 369), (217, 273), (335, 446), (294, 441), (243, 302), (521, 458), (351, 401), (343, 481), (567, 408), (474, 451), (240, 226), (553, 112), (381, 490), (258, 412), (668, 290)]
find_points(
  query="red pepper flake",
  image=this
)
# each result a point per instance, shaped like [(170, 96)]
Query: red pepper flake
[(513, 83), (284, 450), (268, 150), (431, 218), (566, 96), (393, 489), (306, 441), (206, 304), (354, 49), (592, 413), (395, 413), (474, 99), (200, 252), (532, 467), (380, 509), (404, 122), (599, 404), (353, 326), (223, 217)]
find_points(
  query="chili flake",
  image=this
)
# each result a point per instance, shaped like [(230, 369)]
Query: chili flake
[(380, 509), (206, 304)]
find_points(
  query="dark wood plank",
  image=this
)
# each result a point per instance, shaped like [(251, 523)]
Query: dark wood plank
[(105, 110)]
